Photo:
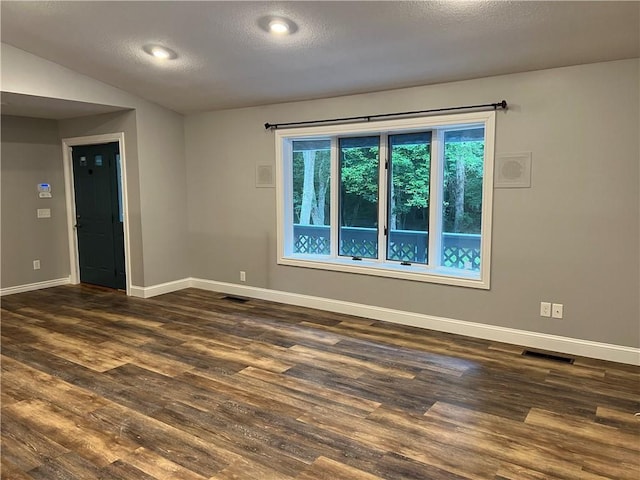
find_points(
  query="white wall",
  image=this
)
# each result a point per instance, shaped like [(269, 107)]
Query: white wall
[(31, 155), (161, 189), (571, 238)]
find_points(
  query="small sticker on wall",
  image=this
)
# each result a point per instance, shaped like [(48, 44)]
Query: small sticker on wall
[(83, 161), (98, 159)]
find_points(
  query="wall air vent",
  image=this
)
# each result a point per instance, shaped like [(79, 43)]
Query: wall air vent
[(265, 177), (513, 170)]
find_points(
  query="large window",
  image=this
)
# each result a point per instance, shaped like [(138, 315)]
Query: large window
[(406, 198)]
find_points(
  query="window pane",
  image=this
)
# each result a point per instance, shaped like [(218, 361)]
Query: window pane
[(462, 203), (311, 196), (408, 210), (359, 164)]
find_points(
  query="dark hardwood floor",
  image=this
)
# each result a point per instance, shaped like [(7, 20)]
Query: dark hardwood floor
[(192, 386)]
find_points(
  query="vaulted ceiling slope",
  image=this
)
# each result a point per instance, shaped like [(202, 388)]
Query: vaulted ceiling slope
[(225, 60)]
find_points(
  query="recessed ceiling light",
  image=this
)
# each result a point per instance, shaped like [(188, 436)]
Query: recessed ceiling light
[(278, 27), (159, 52)]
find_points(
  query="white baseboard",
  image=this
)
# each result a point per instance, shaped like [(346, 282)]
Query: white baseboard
[(35, 286), (161, 288), (543, 341)]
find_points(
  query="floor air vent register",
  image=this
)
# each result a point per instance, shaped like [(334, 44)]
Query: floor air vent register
[(547, 356), (232, 298)]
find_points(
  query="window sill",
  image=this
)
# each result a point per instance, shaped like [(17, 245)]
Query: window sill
[(419, 273)]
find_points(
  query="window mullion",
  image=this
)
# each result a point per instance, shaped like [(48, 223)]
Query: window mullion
[(435, 199), (383, 162), (334, 208)]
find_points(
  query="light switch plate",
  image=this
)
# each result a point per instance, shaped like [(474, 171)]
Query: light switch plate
[(545, 309), (44, 213)]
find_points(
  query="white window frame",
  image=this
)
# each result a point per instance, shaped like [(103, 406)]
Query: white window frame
[(381, 267)]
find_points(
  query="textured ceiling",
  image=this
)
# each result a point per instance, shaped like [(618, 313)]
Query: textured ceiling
[(225, 60)]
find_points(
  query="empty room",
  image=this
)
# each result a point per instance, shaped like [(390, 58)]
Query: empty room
[(320, 240)]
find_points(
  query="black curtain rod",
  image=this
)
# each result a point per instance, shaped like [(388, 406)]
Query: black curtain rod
[(495, 106)]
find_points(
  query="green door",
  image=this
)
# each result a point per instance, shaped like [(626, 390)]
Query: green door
[(99, 214)]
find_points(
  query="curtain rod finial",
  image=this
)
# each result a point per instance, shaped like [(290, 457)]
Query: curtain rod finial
[(267, 126)]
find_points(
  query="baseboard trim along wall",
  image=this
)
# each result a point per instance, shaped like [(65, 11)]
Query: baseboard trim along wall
[(56, 282), (161, 288), (554, 343)]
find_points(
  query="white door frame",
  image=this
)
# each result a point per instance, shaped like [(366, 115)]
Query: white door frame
[(67, 159)]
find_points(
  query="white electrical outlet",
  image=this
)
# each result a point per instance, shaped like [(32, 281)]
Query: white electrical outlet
[(557, 310), (243, 276), (545, 309), (36, 264)]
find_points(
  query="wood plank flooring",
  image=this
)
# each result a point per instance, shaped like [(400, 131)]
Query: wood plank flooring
[(192, 386)]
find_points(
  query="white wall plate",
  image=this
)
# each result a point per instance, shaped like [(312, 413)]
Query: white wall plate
[(513, 170), (265, 176)]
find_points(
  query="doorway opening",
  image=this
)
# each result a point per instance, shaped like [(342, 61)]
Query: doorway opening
[(97, 213)]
